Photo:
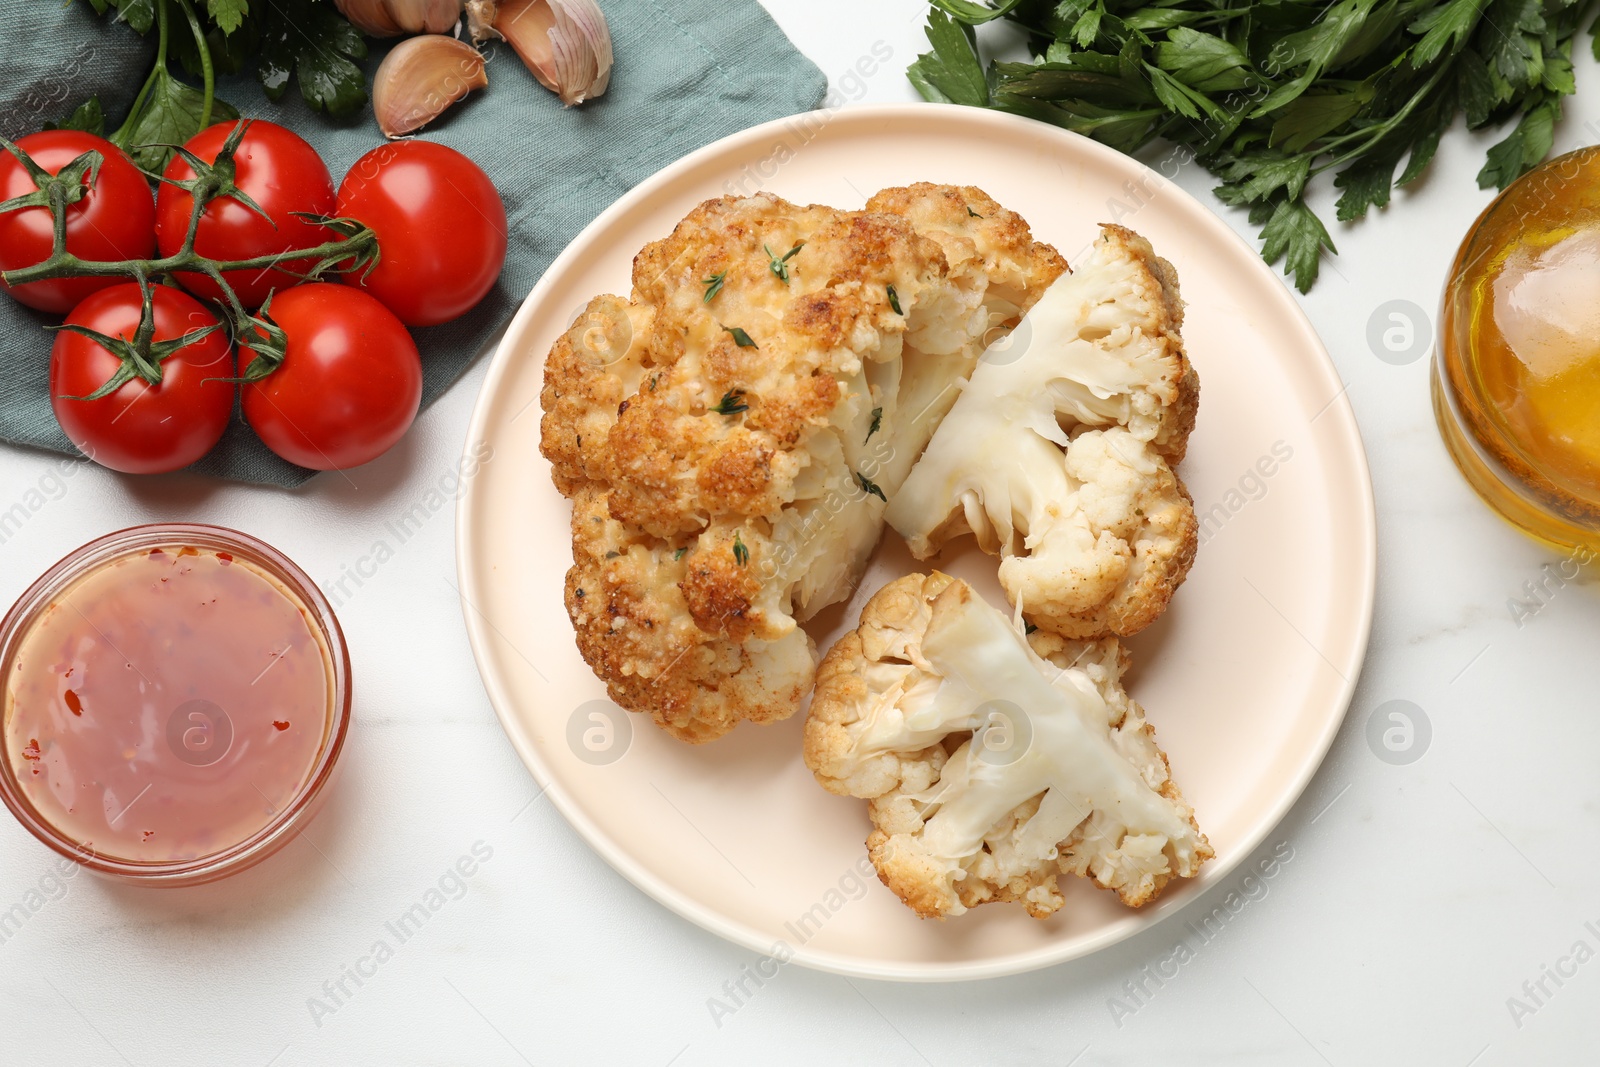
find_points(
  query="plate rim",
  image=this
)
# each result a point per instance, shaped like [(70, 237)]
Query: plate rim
[(469, 569)]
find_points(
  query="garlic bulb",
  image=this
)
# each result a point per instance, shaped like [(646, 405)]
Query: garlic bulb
[(392, 18), (566, 44), (420, 77)]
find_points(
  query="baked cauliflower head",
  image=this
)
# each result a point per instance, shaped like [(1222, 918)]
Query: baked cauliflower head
[(1058, 455), (994, 763), (730, 435)]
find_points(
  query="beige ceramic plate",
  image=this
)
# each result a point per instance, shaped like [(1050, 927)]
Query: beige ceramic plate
[(1246, 678)]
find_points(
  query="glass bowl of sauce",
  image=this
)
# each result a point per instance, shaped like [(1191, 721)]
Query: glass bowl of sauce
[(175, 701), (1516, 384)]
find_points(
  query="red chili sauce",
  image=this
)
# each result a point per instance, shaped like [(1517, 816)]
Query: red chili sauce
[(168, 704)]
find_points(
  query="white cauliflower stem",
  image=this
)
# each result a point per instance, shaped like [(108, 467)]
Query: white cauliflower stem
[(993, 766), (1057, 454)]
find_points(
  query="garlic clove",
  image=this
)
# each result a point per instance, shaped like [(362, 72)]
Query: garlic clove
[(480, 20), (420, 77), (426, 16), (391, 18), (371, 17), (565, 43)]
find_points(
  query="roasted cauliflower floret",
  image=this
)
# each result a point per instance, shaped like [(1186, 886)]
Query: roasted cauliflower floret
[(731, 434), (1058, 454), (994, 763), (988, 249)]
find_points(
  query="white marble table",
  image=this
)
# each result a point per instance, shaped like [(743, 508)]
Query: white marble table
[(1417, 899)]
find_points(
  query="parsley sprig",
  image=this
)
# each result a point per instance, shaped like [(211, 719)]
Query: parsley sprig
[(1267, 95)]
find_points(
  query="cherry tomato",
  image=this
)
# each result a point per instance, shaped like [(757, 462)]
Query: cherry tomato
[(141, 428), (114, 220), (349, 385), (441, 229), (277, 169)]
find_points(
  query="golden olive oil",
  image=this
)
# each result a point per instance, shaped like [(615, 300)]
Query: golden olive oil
[(1517, 377)]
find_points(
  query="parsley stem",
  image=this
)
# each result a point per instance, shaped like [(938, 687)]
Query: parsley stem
[(120, 138), (207, 74)]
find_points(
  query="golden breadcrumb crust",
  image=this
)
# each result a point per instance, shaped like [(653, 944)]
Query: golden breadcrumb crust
[(737, 384)]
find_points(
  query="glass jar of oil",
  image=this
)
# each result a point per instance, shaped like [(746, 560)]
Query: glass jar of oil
[(1516, 384)]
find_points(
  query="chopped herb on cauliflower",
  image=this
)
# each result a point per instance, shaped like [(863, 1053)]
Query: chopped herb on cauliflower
[(1058, 454), (994, 763)]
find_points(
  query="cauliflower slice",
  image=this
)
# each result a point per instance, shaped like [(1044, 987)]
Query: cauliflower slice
[(992, 763), (729, 436), (1057, 454)]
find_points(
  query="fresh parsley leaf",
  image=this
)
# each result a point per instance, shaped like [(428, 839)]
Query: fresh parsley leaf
[(1312, 116), (741, 554), (171, 116), (1558, 76), (741, 338), (925, 88), (680, 553), (1087, 27), (1176, 96), (1264, 176), (952, 67), (894, 301), (88, 117), (228, 14), (1422, 152), (308, 40), (877, 422), (732, 403), (1296, 235), (1202, 61), (713, 285), (139, 14), (1444, 28), (1365, 185), (1513, 44), (1519, 153), (974, 14)]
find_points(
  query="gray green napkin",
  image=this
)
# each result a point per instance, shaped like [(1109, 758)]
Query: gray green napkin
[(687, 72)]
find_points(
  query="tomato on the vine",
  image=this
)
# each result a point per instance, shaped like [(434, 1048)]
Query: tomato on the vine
[(114, 220), (441, 229), (349, 385), (282, 174), (140, 427)]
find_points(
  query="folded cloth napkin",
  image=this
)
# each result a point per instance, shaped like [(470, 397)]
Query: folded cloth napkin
[(687, 72)]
